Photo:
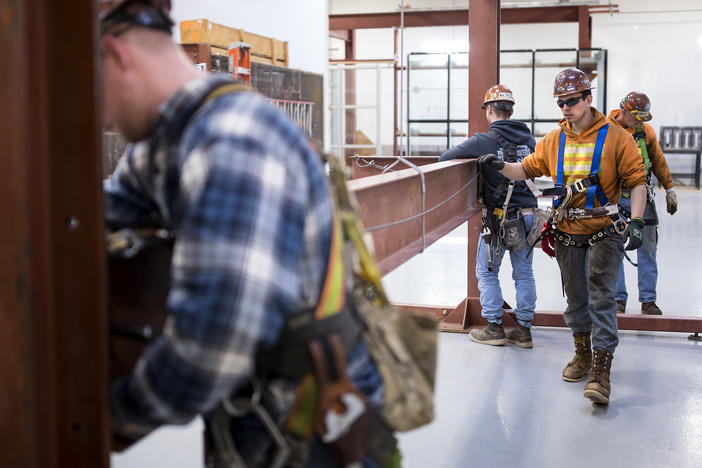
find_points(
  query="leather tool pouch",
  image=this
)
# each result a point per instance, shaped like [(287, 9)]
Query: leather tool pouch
[(341, 417), (513, 231)]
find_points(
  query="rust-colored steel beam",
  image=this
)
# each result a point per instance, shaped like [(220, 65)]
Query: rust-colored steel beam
[(662, 323), (350, 93), (584, 28), (343, 34), (484, 70), (53, 395), (397, 196), (458, 17), (462, 319), (373, 165)]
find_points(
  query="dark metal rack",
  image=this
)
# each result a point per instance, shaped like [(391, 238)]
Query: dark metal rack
[(532, 120)]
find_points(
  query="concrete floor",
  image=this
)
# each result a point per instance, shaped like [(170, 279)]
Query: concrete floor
[(509, 407)]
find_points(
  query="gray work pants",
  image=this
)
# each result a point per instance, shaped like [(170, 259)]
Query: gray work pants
[(589, 278)]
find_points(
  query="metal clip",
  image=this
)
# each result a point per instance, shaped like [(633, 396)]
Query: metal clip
[(579, 185), (238, 407), (619, 226)]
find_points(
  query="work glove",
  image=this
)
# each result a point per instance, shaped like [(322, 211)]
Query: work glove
[(492, 160), (635, 231), (548, 242), (671, 201)]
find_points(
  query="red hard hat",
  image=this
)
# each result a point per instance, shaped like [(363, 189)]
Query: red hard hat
[(498, 93), (571, 81), (638, 104)]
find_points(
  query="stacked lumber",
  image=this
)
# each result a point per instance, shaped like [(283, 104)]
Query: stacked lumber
[(263, 49)]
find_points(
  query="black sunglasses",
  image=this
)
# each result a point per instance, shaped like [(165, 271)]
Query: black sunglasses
[(571, 102)]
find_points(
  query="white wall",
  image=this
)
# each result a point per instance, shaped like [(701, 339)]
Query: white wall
[(659, 53), (653, 46)]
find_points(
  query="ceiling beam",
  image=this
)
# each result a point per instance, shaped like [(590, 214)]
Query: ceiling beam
[(557, 14), (343, 34)]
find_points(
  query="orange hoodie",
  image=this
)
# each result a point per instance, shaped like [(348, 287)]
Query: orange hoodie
[(659, 166), (620, 161)]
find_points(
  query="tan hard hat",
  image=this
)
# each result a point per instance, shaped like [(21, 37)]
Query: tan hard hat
[(571, 81), (498, 93), (638, 104)]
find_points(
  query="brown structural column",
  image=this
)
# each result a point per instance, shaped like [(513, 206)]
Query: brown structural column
[(483, 72), (350, 93), (584, 28), (484, 60), (396, 68), (53, 364)]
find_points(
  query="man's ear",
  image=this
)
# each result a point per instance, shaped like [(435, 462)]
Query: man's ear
[(117, 50)]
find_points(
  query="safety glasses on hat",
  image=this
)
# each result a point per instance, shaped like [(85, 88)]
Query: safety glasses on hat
[(640, 115), (638, 105), (569, 102)]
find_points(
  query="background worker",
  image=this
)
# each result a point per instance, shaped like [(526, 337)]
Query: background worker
[(587, 159), (249, 205), (635, 109), (511, 141)]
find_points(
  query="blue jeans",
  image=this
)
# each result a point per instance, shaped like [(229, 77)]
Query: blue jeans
[(491, 299), (589, 277), (646, 259)]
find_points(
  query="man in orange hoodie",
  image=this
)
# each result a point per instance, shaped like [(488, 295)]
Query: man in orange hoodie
[(635, 109), (588, 159)]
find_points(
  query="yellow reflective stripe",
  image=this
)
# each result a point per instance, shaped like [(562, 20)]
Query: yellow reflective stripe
[(224, 89), (577, 161), (331, 300), (300, 420)]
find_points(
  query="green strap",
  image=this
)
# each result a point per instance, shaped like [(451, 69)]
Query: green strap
[(641, 141)]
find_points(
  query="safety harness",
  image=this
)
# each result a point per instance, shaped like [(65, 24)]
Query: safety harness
[(503, 227), (563, 195), (640, 138), (312, 349)]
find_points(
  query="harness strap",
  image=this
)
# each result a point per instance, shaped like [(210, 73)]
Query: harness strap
[(559, 174), (577, 187), (594, 168), (640, 137), (509, 151), (592, 182)]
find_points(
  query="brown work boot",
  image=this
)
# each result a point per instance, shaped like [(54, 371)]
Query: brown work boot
[(621, 307), (598, 387), (650, 308), (493, 334), (521, 336), (579, 367)]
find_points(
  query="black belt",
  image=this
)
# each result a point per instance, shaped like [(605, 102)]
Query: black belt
[(290, 357), (569, 240)]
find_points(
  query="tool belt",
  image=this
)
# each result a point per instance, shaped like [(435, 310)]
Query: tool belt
[(584, 241)]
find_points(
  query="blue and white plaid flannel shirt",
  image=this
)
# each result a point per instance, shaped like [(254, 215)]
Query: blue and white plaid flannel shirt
[(249, 203)]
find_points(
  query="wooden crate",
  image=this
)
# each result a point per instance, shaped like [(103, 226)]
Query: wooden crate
[(263, 49)]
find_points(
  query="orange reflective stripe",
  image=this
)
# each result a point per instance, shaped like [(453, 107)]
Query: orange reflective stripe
[(331, 300)]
